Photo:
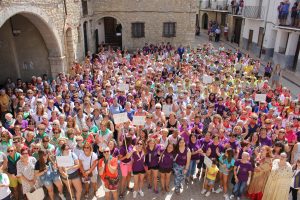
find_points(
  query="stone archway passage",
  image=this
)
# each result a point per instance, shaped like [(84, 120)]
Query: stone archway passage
[(45, 37), (205, 21)]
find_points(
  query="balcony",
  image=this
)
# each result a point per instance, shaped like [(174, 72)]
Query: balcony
[(254, 12), (214, 5)]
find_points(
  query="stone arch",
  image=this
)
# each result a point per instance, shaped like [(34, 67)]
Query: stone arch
[(46, 28), (205, 21)]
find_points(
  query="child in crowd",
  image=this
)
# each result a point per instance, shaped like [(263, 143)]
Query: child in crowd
[(211, 174)]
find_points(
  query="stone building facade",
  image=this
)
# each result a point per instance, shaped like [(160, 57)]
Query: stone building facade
[(46, 36), (153, 14)]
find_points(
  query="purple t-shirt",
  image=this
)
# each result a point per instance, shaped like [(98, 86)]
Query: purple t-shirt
[(138, 160), (234, 145), (186, 137), (213, 148), (265, 141), (123, 153), (166, 161), (194, 147), (115, 152), (204, 144), (243, 170), (181, 158), (200, 126), (152, 156)]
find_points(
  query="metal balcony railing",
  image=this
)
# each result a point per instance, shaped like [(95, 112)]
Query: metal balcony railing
[(254, 12), (214, 4)]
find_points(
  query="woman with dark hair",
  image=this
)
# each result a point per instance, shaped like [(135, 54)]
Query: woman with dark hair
[(46, 170), (71, 172), (25, 171), (12, 158), (195, 148), (151, 160), (138, 168), (226, 164), (181, 163), (165, 166), (126, 151)]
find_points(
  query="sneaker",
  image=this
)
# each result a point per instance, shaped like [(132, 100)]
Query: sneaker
[(141, 193), (177, 191), (226, 196), (219, 190), (134, 194), (231, 196), (198, 174), (203, 191), (62, 196), (207, 194)]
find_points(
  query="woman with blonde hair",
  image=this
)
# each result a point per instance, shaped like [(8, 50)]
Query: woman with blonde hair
[(261, 173), (276, 76)]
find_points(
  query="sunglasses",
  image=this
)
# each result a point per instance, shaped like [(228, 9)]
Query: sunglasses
[(140, 144), (36, 148), (45, 141), (105, 151), (9, 151)]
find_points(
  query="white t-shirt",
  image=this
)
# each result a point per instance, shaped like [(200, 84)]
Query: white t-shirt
[(4, 191), (87, 161)]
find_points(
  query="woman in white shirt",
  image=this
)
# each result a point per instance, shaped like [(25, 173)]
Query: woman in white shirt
[(88, 161), (4, 184)]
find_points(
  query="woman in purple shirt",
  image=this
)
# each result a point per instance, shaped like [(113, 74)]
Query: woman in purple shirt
[(203, 142), (126, 151), (181, 163), (165, 166), (152, 157), (215, 148), (196, 150), (138, 168), (263, 137)]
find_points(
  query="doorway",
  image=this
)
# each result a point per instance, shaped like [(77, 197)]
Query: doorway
[(237, 29), (296, 55), (250, 39), (112, 32), (205, 21)]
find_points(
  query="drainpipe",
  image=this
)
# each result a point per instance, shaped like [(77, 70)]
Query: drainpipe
[(265, 26)]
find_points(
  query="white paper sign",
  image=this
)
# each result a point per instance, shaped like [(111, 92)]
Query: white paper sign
[(124, 87), (138, 120), (120, 118), (260, 97), (207, 79), (207, 161), (167, 109), (64, 161)]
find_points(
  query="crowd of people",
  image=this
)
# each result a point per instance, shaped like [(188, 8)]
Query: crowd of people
[(202, 120)]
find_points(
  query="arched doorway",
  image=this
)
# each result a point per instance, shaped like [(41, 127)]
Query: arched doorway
[(109, 31), (29, 44), (205, 21)]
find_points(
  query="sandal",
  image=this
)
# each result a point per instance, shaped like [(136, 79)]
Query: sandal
[(121, 196)]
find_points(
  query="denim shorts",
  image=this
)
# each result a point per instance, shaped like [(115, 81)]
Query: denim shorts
[(210, 182), (49, 178)]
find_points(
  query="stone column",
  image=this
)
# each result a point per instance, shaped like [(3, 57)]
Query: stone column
[(57, 64), (281, 40)]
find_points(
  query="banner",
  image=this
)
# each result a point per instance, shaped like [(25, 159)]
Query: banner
[(260, 97)]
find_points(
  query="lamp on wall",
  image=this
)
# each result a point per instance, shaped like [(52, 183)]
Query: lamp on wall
[(14, 31)]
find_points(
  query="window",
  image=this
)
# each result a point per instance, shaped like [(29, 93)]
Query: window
[(84, 7), (169, 29), (138, 29)]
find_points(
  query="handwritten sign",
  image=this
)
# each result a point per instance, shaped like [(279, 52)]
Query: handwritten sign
[(120, 118), (207, 79), (64, 161), (123, 87), (260, 97), (207, 161), (167, 109), (138, 120)]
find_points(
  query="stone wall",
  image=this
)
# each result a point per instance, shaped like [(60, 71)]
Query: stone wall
[(52, 20), (153, 13)]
